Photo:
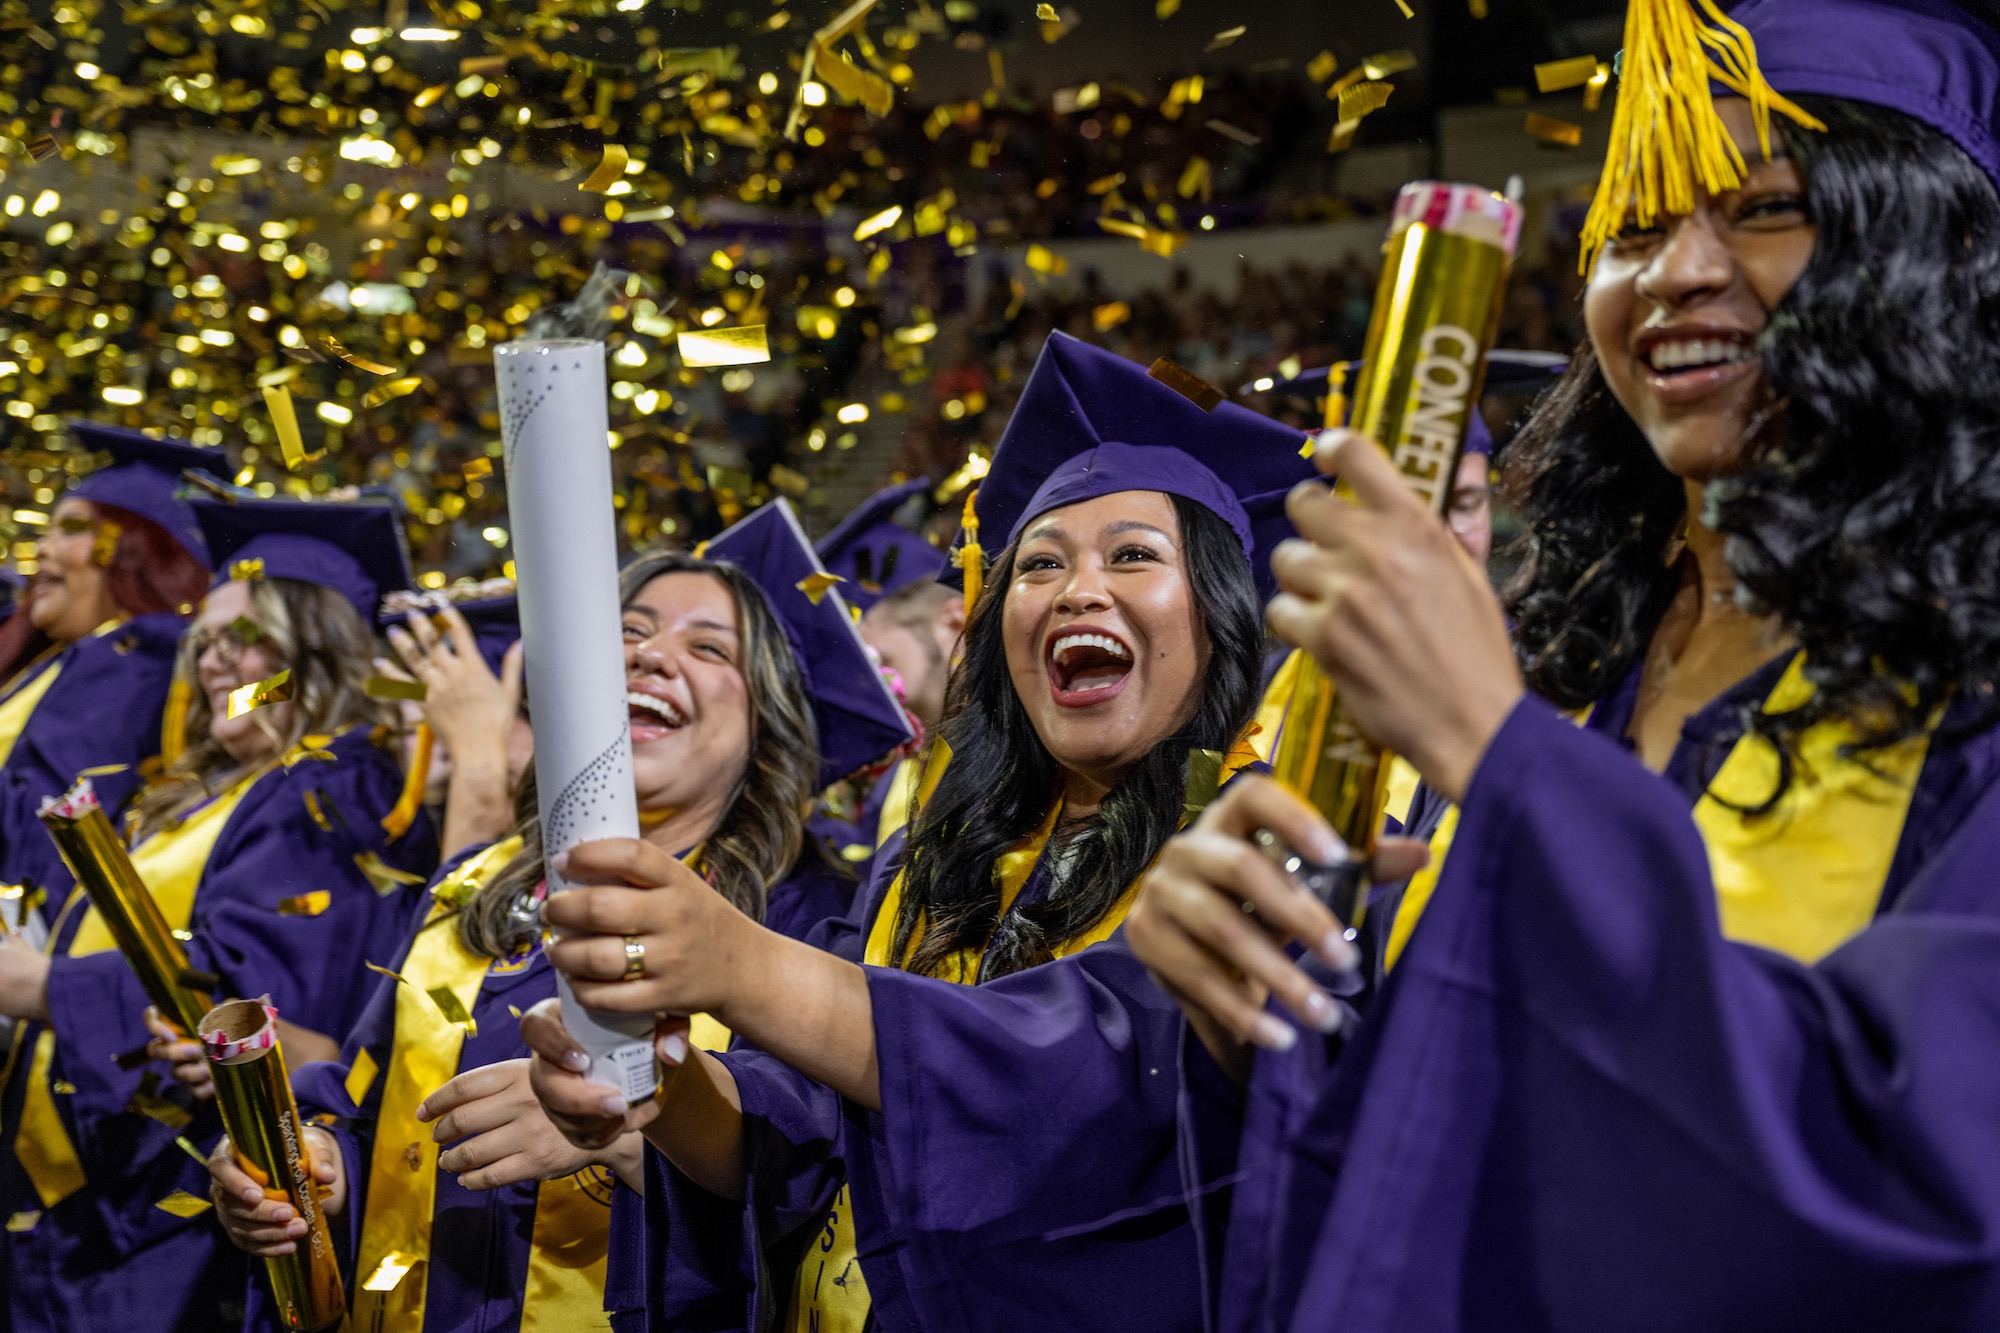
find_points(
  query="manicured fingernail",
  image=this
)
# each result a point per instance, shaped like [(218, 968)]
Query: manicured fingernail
[(673, 1048), (1336, 952), (1274, 1032), (252, 1194), (295, 1228), (613, 1106), (423, 1112), (560, 863), (576, 1062), (1323, 1012), (1327, 847)]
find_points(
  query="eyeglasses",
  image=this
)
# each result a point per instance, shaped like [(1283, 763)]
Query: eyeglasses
[(229, 642)]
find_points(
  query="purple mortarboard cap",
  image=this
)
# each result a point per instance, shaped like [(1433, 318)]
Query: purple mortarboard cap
[(1090, 423), (355, 549), (496, 625), (876, 554), (859, 719), (1929, 59), (144, 478)]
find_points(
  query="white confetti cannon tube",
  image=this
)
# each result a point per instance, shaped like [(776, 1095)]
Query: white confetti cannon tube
[(553, 426)]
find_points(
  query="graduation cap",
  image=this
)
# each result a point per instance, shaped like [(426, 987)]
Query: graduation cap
[(1090, 423), (859, 719), (144, 478), (353, 548), (496, 626), (1932, 60), (876, 554)]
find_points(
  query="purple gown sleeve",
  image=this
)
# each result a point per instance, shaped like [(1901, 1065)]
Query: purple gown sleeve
[(1577, 1106)]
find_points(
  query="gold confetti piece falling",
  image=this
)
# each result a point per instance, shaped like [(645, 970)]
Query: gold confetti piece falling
[(388, 687), (852, 82), (1240, 135), (385, 877), (484, 67), (746, 346), (24, 1221), (1226, 37), (1047, 14), (1322, 67), (429, 96), (1550, 130), (1040, 259), (1342, 137), (285, 421), (1166, 9), (477, 469), (44, 148), (1187, 384), (276, 690), (1404, 5), (815, 586), (1197, 177), (306, 904), (180, 1141), (393, 390), (1593, 92), (1387, 63), (182, 1204), (879, 223), (1109, 316), (1363, 99), (333, 345), (609, 170), (453, 1009), (1555, 76)]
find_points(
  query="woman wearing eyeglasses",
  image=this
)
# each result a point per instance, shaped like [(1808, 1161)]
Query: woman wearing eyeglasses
[(281, 843)]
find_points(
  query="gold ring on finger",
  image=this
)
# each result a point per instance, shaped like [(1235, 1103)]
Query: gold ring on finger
[(635, 959)]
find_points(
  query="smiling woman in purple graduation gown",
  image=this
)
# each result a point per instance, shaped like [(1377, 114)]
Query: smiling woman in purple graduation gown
[(87, 657), (274, 843), (457, 1206), (975, 1128), (1695, 1025)]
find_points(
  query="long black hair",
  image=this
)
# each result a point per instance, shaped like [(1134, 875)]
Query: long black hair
[(1001, 781), (1868, 517)]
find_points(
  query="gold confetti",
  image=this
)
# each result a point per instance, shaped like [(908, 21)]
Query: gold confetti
[(1404, 5), (385, 877), (1204, 780), (1109, 316), (180, 1141), (851, 82), (333, 345), (746, 346), (1224, 38), (1068, 101), (1047, 14), (1187, 384), (1322, 67), (1196, 179), (484, 67), (182, 1204), (1550, 130), (44, 148), (1153, 240), (429, 96), (1554, 76), (255, 695), (1593, 92), (477, 469), (609, 170), (1478, 8), (388, 687), (394, 1267), (394, 389), (453, 1009), (24, 1221), (1387, 63), (306, 904), (1363, 99), (1040, 259), (1228, 131), (815, 585), (285, 422), (879, 223)]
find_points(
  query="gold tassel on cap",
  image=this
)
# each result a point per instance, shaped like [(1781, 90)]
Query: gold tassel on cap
[(397, 822), (971, 559), (1666, 133), (173, 722)]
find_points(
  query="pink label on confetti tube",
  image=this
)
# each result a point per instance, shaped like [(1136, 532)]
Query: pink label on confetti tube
[(263, 1039), (1458, 210)]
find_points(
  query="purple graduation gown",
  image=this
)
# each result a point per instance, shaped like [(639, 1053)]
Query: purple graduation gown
[(103, 710), (106, 1258), (480, 1239), (1021, 1174), (1575, 1105)]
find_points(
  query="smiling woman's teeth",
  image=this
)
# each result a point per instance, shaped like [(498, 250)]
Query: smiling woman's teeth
[(1697, 352), (653, 704), (1071, 642)]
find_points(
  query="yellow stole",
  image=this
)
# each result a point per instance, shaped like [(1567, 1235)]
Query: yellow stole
[(572, 1230), (829, 1291), (171, 863), (19, 704), (1803, 878)]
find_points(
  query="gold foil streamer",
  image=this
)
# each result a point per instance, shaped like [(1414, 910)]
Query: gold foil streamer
[(334, 345), (1364, 99), (880, 222), (385, 877), (93, 853), (394, 389), (285, 422), (182, 1204), (1387, 63), (254, 1094), (1227, 37), (276, 690), (724, 347), (1555, 76), (609, 170)]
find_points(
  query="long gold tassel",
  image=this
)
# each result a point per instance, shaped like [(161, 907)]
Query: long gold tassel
[(173, 722), (1665, 132), (971, 559), (397, 822)]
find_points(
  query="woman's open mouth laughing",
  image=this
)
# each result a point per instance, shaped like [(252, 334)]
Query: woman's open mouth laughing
[(653, 716), (1087, 666)]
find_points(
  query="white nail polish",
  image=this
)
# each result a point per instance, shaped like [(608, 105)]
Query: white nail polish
[(1323, 1012), (673, 1048), (613, 1106), (1275, 1033), (1337, 953)]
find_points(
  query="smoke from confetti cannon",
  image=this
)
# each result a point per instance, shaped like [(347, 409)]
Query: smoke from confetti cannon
[(254, 1093), (553, 425), (93, 853), (1444, 274)]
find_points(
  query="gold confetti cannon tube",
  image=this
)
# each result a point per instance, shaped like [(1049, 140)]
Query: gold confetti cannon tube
[(91, 849), (254, 1092), (1437, 309)]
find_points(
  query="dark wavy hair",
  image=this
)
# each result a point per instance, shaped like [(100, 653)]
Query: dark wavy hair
[(1001, 779), (762, 833), (1868, 517)]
